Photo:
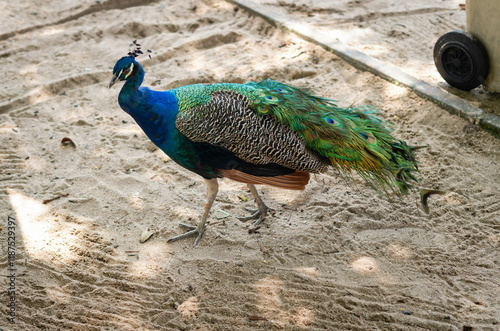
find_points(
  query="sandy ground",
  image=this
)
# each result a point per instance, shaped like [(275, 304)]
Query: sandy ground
[(333, 257)]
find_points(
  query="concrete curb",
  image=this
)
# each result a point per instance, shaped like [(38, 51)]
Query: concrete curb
[(359, 60)]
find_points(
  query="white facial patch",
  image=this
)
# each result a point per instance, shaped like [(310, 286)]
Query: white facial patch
[(130, 71)]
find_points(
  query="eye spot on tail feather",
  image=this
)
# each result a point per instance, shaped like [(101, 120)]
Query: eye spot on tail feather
[(368, 137), (263, 109)]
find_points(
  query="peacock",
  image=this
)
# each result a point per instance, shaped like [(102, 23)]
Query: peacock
[(263, 132)]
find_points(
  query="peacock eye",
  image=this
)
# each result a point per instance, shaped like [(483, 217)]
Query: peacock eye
[(126, 71)]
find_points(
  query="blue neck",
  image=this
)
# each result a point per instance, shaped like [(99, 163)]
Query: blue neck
[(154, 111)]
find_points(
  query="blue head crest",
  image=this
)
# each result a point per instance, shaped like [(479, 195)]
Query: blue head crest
[(122, 65)]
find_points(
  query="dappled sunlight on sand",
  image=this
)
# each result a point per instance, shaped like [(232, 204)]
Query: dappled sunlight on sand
[(364, 264), (48, 236), (48, 31), (269, 300), (395, 91), (309, 271), (152, 259), (184, 213), (398, 250), (58, 295), (39, 96), (270, 291), (284, 196), (29, 71), (369, 266), (137, 202), (41, 229), (303, 316), (190, 307), (127, 131)]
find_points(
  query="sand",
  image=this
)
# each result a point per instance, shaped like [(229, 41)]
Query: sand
[(335, 256)]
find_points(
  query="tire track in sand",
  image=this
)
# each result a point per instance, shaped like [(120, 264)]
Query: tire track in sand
[(12, 174), (97, 7)]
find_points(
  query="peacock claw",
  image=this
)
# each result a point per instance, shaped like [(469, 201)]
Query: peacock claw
[(193, 232), (187, 226), (259, 214)]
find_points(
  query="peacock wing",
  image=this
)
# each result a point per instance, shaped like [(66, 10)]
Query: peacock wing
[(228, 121)]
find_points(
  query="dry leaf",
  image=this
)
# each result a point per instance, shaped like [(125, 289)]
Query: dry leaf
[(67, 142), (145, 235)]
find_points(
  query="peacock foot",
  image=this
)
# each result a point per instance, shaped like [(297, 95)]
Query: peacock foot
[(193, 232), (258, 214)]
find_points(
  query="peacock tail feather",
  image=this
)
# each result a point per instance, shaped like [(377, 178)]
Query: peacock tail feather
[(350, 138)]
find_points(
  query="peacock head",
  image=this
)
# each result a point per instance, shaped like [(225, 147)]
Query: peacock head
[(127, 67), (124, 68)]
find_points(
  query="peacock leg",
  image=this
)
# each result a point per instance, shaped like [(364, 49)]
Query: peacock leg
[(260, 213), (212, 189)]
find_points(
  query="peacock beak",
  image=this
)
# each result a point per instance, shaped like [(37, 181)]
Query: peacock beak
[(114, 79)]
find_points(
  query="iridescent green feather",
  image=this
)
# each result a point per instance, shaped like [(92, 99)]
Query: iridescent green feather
[(199, 94)]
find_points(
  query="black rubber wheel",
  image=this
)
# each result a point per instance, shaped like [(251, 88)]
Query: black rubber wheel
[(461, 60)]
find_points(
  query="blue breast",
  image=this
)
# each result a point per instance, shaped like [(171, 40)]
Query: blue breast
[(155, 112)]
